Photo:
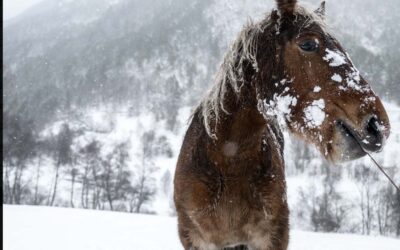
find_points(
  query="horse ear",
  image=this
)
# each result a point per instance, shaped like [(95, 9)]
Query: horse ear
[(286, 7), (321, 10)]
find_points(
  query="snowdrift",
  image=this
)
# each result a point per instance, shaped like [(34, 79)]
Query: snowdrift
[(45, 228)]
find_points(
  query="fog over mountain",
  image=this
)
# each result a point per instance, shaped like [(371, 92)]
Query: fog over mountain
[(101, 90), (65, 53)]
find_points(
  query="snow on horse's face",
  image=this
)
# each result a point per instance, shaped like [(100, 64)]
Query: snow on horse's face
[(324, 99)]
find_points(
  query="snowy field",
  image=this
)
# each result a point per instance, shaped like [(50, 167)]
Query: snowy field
[(45, 228)]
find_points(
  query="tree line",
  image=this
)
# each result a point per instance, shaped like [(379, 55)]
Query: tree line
[(372, 208), (96, 181)]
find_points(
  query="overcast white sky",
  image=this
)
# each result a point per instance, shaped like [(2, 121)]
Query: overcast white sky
[(14, 7)]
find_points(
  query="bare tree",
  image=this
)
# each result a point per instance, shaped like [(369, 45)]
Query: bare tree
[(39, 164), (144, 188), (63, 155), (73, 172), (115, 179), (89, 157), (328, 211), (396, 212), (19, 144), (366, 178)]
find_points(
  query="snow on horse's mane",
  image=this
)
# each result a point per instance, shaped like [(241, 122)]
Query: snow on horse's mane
[(243, 50)]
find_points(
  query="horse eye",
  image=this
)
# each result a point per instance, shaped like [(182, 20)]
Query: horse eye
[(309, 45)]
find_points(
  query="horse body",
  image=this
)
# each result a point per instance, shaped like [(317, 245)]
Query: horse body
[(232, 191), (229, 186)]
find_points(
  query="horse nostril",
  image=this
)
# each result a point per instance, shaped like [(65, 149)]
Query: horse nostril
[(373, 127), (374, 136)]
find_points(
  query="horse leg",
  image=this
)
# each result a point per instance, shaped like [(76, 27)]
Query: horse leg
[(280, 239), (185, 238), (277, 241)]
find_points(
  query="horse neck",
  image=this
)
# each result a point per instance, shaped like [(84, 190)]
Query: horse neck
[(244, 121), (241, 135)]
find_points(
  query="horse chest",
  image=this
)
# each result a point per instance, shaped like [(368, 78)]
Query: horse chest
[(239, 215), (239, 210), (236, 196)]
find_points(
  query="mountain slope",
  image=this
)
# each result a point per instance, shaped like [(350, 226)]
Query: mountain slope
[(62, 54)]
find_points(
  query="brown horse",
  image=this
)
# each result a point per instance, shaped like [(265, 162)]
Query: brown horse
[(286, 70)]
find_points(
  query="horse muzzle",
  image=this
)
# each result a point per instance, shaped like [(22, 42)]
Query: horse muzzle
[(355, 143)]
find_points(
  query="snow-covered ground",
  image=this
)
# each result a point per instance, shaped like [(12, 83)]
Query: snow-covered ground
[(45, 228)]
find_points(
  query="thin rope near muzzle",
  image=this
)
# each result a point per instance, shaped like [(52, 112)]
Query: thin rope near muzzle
[(381, 169), (379, 166)]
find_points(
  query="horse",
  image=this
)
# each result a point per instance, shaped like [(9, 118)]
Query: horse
[(285, 71)]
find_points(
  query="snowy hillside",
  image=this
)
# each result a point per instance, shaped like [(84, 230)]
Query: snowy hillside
[(43, 228), (305, 167)]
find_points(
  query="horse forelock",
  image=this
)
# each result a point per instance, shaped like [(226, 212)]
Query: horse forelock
[(244, 51), (310, 18)]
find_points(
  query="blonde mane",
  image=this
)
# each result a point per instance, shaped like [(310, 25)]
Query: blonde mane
[(241, 52)]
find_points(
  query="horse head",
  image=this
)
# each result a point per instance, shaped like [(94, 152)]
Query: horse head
[(319, 93)]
